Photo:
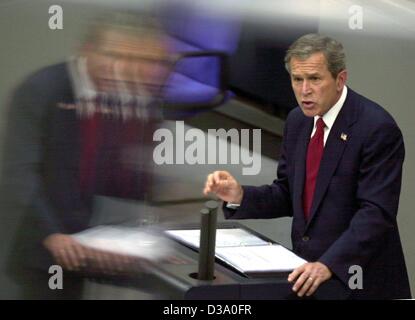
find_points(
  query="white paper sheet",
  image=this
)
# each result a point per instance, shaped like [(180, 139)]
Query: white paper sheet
[(125, 240), (224, 237), (263, 258)]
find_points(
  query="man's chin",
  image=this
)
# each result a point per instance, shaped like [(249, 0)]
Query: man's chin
[(309, 113)]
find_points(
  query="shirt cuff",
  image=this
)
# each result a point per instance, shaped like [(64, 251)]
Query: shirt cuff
[(233, 206)]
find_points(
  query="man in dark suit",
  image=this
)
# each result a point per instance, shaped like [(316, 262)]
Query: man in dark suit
[(76, 130), (339, 177)]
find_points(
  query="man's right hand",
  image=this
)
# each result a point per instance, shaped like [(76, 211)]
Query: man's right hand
[(224, 186), (67, 252)]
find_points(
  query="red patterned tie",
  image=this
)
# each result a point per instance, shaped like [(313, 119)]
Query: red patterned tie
[(314, 155)]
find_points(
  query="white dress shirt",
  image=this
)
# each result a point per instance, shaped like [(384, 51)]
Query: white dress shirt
[(330, 116)]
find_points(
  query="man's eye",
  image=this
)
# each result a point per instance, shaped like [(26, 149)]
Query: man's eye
[(314, 78), (297, 79)]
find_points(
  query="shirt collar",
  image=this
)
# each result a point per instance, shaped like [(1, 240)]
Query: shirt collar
[(82, 83), (330, 116)]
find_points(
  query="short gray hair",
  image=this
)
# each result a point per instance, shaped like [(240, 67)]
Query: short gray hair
[(136, 24), (312, 43)]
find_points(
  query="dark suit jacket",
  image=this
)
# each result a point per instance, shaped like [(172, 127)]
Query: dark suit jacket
[(41, 164), (353, 215)]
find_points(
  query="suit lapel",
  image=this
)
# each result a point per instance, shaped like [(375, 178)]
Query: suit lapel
[(333, 150), (299, 176)]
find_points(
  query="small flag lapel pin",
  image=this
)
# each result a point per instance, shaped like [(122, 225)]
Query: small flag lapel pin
[(343, 136)]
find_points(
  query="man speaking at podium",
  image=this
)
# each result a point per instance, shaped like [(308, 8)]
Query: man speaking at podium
[(339, 177)]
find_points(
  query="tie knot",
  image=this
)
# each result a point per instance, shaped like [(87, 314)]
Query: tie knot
[(320, 124)]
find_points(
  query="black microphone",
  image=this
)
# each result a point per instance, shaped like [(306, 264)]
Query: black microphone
[(209, 216)]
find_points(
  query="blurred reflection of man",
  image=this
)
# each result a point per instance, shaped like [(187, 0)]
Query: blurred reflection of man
[(75, 130)]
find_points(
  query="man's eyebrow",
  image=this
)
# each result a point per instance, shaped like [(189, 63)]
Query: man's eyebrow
[(307, 75), (314, 74)]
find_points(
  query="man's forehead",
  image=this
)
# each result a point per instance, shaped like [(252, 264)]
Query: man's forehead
[(313, 64), (132, 45)]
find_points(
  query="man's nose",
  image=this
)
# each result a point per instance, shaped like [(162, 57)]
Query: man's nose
[(120, 69), (306, 88)]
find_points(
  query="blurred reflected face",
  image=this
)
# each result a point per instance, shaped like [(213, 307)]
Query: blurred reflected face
[(314, 87), (138, 64)]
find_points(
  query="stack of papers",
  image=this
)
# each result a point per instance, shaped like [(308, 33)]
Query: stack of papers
[(129, 241), (256, 259), (244, 251), (224, 237)]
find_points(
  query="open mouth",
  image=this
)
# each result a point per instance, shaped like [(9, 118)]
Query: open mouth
[(308, 104)]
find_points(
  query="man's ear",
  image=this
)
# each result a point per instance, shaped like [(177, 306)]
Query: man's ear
[(341, 79)]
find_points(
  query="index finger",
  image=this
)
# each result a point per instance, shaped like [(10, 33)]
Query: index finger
[(298, 271)]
